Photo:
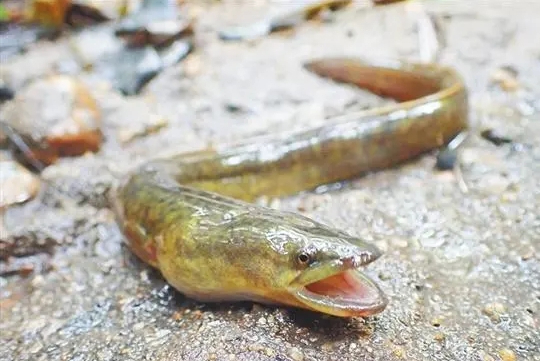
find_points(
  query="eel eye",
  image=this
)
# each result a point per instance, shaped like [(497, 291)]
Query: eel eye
[(303, 259)]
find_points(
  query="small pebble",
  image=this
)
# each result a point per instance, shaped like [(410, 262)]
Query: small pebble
[(296, 354), (439, 336), (18, 184), (507, 355), (385, 275), (446, 159), (398, 352), (38, 281), (93, 43), (234, 108), (365, 330), (327, 346), (494, 311), (494, 184), (437, 321), (6, 93), (177, 316), (192, 66), (256, 347), (397, 242), (55, 116), (506, 78), (144, 276), (527, 254)]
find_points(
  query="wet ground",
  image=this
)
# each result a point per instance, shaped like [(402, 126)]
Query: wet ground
[(461, 248)]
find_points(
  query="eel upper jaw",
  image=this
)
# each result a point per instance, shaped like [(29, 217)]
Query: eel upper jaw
[(341, 289)]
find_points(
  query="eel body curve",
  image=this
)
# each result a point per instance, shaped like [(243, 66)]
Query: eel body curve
[(192, 215)]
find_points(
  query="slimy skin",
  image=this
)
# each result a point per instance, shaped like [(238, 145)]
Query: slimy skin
[(191, 216)]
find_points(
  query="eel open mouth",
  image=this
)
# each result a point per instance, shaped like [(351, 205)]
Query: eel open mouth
[(346, 294)]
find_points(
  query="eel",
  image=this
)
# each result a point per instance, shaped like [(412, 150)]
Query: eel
[(192, 216)]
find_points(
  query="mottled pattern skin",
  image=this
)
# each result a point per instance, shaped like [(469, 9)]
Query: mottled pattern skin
[(180, 216)]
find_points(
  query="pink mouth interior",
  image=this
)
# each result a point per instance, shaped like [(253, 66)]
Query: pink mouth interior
[(345, 287)]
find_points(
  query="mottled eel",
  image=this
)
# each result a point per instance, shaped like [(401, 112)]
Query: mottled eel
[(191, 216)]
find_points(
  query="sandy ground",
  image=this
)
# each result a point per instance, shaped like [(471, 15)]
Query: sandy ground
[(461, 252)]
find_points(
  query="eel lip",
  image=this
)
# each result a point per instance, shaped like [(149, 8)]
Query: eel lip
[(349, 293)]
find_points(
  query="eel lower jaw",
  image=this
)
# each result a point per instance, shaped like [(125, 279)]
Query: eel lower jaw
[(346, 294)]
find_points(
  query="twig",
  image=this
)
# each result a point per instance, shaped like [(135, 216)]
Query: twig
[(428, 37), (17, 140)]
